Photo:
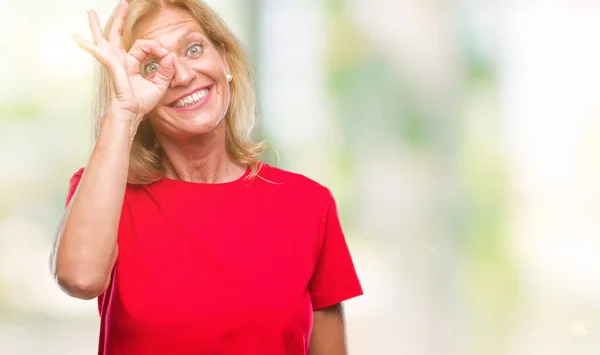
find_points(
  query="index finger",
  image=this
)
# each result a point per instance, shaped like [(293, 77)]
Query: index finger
[(143, 47), (116, 28)]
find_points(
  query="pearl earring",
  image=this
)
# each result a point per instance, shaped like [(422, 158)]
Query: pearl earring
[(229, 78)]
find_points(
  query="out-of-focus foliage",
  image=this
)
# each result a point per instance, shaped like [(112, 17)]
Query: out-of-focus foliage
[(457, 137)]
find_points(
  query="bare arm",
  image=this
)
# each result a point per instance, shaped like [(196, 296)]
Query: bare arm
[(86, 245), (85, 249), (328, 335)]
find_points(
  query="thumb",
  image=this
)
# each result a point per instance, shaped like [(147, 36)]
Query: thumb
[(165, 72)]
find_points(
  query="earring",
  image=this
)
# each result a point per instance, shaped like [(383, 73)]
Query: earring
[(229, 78)]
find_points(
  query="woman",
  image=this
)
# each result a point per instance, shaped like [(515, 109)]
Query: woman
[(190, 244)]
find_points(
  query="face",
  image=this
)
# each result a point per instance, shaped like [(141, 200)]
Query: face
[(197, 97)]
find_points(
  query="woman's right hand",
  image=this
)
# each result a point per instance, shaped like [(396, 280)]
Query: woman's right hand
[(138, 78)]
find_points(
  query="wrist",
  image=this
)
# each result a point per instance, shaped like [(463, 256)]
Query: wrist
[(122, 116), (120, 123)]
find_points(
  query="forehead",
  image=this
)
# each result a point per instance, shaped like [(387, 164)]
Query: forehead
[(167, 26)]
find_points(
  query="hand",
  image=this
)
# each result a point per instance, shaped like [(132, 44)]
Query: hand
[(138, 78)]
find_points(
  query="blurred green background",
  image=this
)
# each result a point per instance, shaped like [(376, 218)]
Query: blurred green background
[(457, 136)]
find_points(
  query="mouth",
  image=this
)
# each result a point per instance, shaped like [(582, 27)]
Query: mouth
[(193, 100)]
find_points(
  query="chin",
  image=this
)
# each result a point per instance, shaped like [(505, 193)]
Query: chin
[(186, 124), (200, 125)]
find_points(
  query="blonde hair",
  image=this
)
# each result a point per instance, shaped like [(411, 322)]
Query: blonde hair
[(241, 119)]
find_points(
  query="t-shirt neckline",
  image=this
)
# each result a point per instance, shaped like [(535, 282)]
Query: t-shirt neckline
[(183, 183)]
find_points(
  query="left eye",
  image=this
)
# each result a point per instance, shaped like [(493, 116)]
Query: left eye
[(195, 49)]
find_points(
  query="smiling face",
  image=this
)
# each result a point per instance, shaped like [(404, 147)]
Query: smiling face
[(198, 95)]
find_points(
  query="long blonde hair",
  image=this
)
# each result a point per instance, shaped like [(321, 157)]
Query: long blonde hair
[(144, 160)]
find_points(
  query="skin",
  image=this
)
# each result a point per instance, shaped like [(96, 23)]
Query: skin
[(194, 140), (170, 58), (328, 335)]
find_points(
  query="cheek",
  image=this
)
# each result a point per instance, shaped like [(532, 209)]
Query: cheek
[(156, 115), (160, 120), (210, 67)]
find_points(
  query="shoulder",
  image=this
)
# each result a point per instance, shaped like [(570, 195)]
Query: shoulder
[(293, 183), (78, 173), (74, 180), (73, 183)]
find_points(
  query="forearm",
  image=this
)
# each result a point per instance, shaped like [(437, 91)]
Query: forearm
[(86, 245)]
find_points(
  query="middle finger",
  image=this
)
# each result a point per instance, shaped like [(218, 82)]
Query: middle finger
[(116, 28)]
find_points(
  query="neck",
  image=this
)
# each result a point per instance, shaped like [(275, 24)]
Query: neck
[(202, 159)]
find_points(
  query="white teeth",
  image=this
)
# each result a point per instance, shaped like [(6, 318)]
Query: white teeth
[(191, 99)]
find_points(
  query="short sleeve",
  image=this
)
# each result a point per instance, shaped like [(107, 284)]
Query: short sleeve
[(334, 279), (73, 183)]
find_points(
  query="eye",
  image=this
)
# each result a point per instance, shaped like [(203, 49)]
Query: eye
[(150, 68), (194, 50)]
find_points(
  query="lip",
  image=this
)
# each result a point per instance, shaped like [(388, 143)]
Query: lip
[(197, 104), (209, 87)]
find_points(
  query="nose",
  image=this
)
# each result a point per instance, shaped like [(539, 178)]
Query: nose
[(183, 75)]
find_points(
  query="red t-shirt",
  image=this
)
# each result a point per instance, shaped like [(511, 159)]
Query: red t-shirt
[(233, 269)]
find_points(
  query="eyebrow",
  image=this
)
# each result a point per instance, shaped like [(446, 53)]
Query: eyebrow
[(189, 34), (186, 36)]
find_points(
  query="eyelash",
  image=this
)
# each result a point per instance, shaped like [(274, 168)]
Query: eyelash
[(199, 44), (201, 50)]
